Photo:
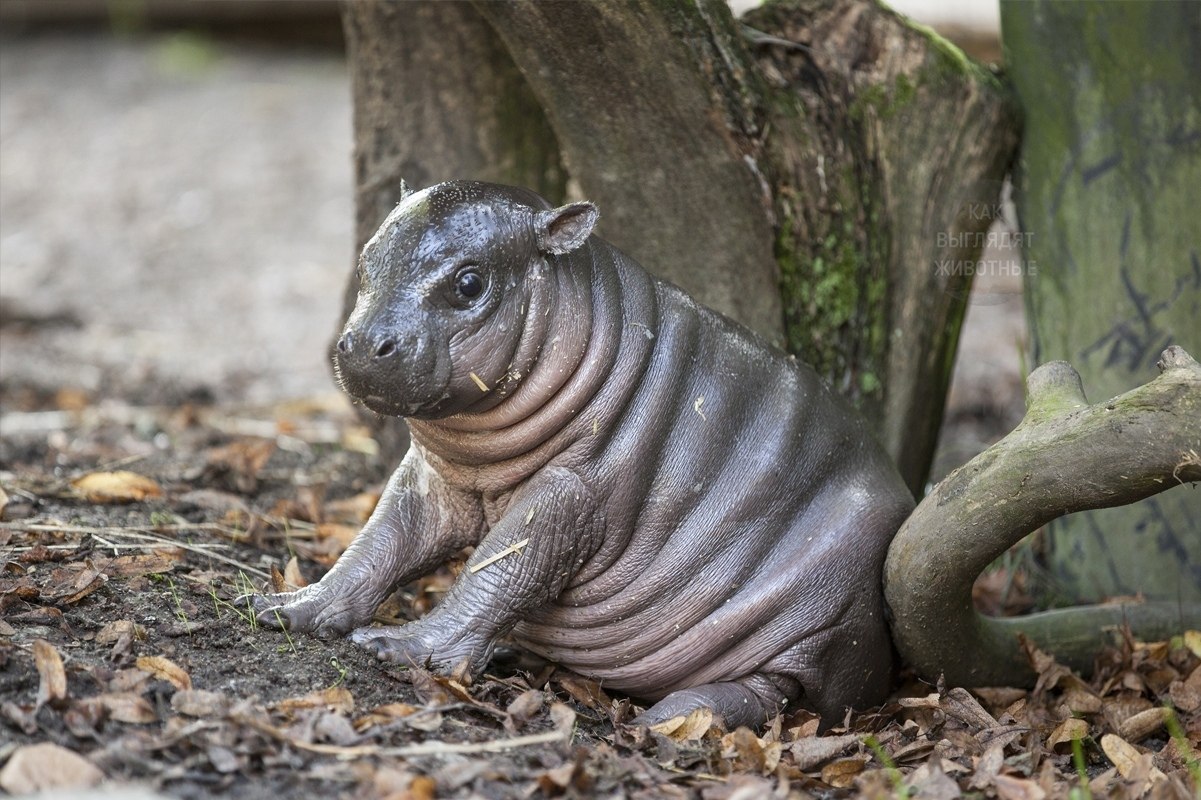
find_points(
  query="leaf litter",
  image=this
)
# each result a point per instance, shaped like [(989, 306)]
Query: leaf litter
[(123, 658)]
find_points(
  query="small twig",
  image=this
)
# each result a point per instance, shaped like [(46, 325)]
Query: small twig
[(761, 38), (136, 533), (109, 466), (434, 748), (513, 548)]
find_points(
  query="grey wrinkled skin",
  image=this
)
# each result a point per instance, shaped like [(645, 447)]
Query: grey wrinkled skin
[(687, 514)]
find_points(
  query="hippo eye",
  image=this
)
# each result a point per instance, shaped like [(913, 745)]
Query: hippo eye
[(469, 284)]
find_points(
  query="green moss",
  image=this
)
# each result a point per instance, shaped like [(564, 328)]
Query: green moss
[(834, 306), (950, 62), (528, 146), (886, 101)]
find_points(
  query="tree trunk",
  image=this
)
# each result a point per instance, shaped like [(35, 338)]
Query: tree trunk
[(1108, 194), (812, 175), (886, 161)]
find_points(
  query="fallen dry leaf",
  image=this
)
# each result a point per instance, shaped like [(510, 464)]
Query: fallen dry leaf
[(750, 753), (526, 705), (334, 698), (165, 669), (1122, 707), (695, 725), (52, 687), (807, 753), (1186, 694), (1143, 724), (1079, 696), (38, 767), (1009, 787), (931, 700), (292, 576), (278, 583), (423, 787), (352, 510), (154, 563), (239, 463), (200, 703), (841, 773), (563, 716), (930, 781), (1126, 757), (74, 582), (128, 707), (1065, 733), (1192, 640), (959, 704), (84, 718), (118, 629), (121, 486), (336, 536), (382, 715), (587, 692)]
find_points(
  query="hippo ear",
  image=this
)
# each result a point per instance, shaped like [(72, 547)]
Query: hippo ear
[(563, 229)]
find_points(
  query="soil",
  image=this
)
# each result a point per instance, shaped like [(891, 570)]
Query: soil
[(176, 223)]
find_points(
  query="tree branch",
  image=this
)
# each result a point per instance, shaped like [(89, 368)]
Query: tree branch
[(1065, 456)]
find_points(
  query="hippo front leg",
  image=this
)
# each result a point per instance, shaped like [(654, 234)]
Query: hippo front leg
[(548, 532), (417, 524)]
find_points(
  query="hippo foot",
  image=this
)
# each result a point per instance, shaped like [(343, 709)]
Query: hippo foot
[(311, 610), (735, 704), (427, 644)]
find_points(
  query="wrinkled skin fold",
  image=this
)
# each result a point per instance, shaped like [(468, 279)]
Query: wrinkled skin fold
[(686, 513)]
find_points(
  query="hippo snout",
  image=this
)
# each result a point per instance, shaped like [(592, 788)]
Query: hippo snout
[(365, 351), (378, 368), (350, 345)]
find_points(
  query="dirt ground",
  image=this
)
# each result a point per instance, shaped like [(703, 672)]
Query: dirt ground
[(175, 223)]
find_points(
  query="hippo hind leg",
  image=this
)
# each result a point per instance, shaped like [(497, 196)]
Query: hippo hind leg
[(748, 702)]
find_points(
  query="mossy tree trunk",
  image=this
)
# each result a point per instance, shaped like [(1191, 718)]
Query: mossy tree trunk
[(1109, 194), (815, 173)]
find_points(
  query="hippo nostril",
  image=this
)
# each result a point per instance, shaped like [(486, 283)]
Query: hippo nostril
[(346, 343), (386, 349)]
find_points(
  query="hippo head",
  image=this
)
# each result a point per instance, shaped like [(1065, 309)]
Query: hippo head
[(444, 286)]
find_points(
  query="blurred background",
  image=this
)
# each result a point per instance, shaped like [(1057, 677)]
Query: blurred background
[(176, 219)]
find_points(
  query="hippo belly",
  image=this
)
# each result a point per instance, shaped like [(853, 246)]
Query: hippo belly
[(728, 521)]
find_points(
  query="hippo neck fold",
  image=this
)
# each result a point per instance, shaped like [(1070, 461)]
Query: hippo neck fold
[(575, 330)]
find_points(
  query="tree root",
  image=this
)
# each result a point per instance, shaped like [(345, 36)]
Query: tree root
[(1065, 456)]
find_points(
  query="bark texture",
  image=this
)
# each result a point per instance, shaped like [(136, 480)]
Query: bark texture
[(1108, 192), (887, 151), (1065, 456)]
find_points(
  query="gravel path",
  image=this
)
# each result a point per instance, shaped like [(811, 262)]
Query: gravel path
[(188, 202)]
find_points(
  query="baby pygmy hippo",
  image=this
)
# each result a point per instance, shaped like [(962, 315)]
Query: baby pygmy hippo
[(657, 497)]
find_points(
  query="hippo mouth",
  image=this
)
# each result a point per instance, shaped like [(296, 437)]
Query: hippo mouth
[(389, 408), (382, 405)]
